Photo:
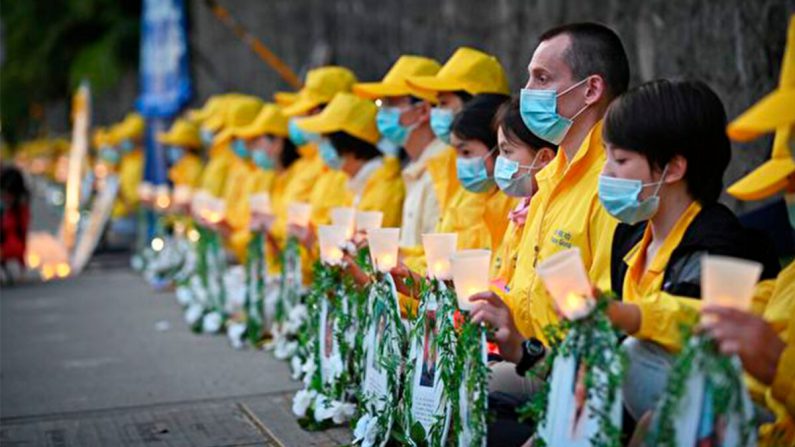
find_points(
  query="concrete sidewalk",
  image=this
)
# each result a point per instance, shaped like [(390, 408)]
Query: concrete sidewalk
[(86, 362)]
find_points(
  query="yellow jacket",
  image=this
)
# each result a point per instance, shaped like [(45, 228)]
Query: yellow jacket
[(330, 191), (213, 178), (780, 397), (564, 213), (187, 171), (384, 191), (131, 170), (242, 181), (294, 185), (503, 262)]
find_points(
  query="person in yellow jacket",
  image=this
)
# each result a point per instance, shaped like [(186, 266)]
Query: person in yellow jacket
[(563, 102), (321, 86), (479, 222), (764, 338), (127, 137), (521, 156), (243, 178), (182, 146), (403, 119), (350, 135)]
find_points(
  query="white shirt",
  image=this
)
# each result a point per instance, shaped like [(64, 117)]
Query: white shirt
[(421, 206)]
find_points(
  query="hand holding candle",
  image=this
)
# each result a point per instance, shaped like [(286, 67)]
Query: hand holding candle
[(331, 238), (567, 282), (384, 247), (439, 247)]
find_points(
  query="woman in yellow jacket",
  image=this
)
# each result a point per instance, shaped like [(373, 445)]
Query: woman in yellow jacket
[(127, 137), (182, 146)]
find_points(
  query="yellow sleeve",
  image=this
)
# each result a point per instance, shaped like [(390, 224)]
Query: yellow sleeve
[(214, 175), (330, 191), (385, 192), (662, 314), (600, 238)]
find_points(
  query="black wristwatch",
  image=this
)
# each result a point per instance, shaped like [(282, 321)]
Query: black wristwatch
[(532, 351)]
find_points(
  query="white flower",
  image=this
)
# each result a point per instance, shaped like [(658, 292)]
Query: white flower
[(309, 368), (302, 400), (235, 333), (295, 367), (335, 366), (298, 313), (184, 295), (212, 322), (343, 412), (193, 313), (366, 430), (324, 408), (137, 263), (285, 349), (235, 297)]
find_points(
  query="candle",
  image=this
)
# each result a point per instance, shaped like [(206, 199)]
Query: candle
[(145, 191), (567, 282), (368, 220), (438, 249), (470, 270), (384, 247), (215, 210), (298, 213), (330, 239), (162, 196), (344, 217), (728, 281), (182, 194), (260, 203)]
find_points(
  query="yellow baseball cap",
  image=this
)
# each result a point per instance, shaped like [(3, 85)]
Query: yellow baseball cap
[(100, 137), (240, 112), (269, 121), (778, 107), (348, 113), (285, 99), (776, 111), (131, 127), (210, 107), (467, 69), (320, 87), (394, 82), (182, 133)]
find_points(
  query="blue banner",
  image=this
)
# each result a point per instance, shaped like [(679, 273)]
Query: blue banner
[(164, 75)]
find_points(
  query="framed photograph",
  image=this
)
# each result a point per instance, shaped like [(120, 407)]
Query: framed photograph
[(329, 349), (375, 384), (569, 419), (426, 385)]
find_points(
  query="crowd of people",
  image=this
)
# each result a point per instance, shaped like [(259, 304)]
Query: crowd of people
[(631, 176)]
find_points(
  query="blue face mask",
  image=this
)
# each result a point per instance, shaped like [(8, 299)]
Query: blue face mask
[(441, 123), (206, 136), (109, 155), (620, 198), (174, 154), (262, 159), (298, 136), (329, 155), (388, 148), (126, 146), (472, 173), (239, 146), (538, 109), (388, 122), (521, 186)]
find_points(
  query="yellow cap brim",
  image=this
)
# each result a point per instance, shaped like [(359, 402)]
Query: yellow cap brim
[(256, 131), (774, 110), (214, 122), (321, 124), (434, 84), (174, 140), (224, 136), (299, 107), (764, 181), (375, 90), (285, 99)]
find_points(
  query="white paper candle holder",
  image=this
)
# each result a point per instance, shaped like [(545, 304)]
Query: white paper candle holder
[(182, 194), (344, 217), (368, 220), (260, 203), (162, 194), (214, 210), (727, 281), (146, 191), (298, 213), (567, 282), (470, 270), (330, 239), (439, 247), (384, 247)]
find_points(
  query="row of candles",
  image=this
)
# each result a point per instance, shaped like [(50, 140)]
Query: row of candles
[(725, 281)]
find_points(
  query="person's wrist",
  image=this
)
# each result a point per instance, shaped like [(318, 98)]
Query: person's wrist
[(514, 350)]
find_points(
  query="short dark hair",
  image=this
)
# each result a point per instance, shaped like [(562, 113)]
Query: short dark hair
[(595, 49), (664, 118), (475, 120), (289, 152), (346, 143), (515, 130)]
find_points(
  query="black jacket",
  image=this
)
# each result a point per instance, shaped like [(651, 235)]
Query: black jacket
[(716, 231)]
